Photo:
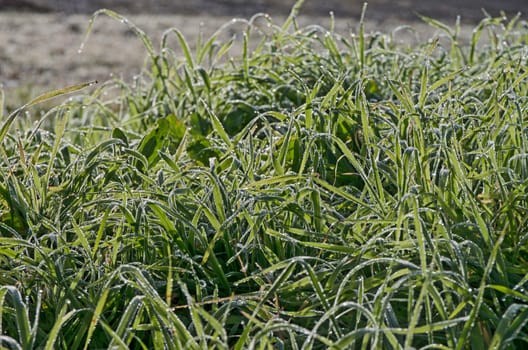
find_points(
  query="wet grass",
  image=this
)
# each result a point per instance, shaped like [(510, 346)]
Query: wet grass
[(308, 190)]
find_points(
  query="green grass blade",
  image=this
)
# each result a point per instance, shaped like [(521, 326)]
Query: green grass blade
[(39, 99)]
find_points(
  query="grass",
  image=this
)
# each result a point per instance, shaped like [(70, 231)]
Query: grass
[(310, 190)]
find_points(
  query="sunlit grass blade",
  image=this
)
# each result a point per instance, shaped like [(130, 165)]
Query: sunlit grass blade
[(39, 99)]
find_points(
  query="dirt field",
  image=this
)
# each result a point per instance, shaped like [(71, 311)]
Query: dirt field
[(39, 44), (470, 9)]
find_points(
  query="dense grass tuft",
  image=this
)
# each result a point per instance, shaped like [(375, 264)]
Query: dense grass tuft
[(290, 188)]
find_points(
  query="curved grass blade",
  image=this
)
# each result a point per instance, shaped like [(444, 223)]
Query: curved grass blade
[(39, 99), (21, 314)]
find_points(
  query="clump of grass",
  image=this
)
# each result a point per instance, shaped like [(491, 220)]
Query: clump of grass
[(313, 190)]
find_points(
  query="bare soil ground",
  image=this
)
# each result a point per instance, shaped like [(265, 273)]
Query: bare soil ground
[(470, 9), (40, 39)]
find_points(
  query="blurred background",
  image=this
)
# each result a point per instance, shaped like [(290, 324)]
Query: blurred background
[(40, 39), (470, 9)]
